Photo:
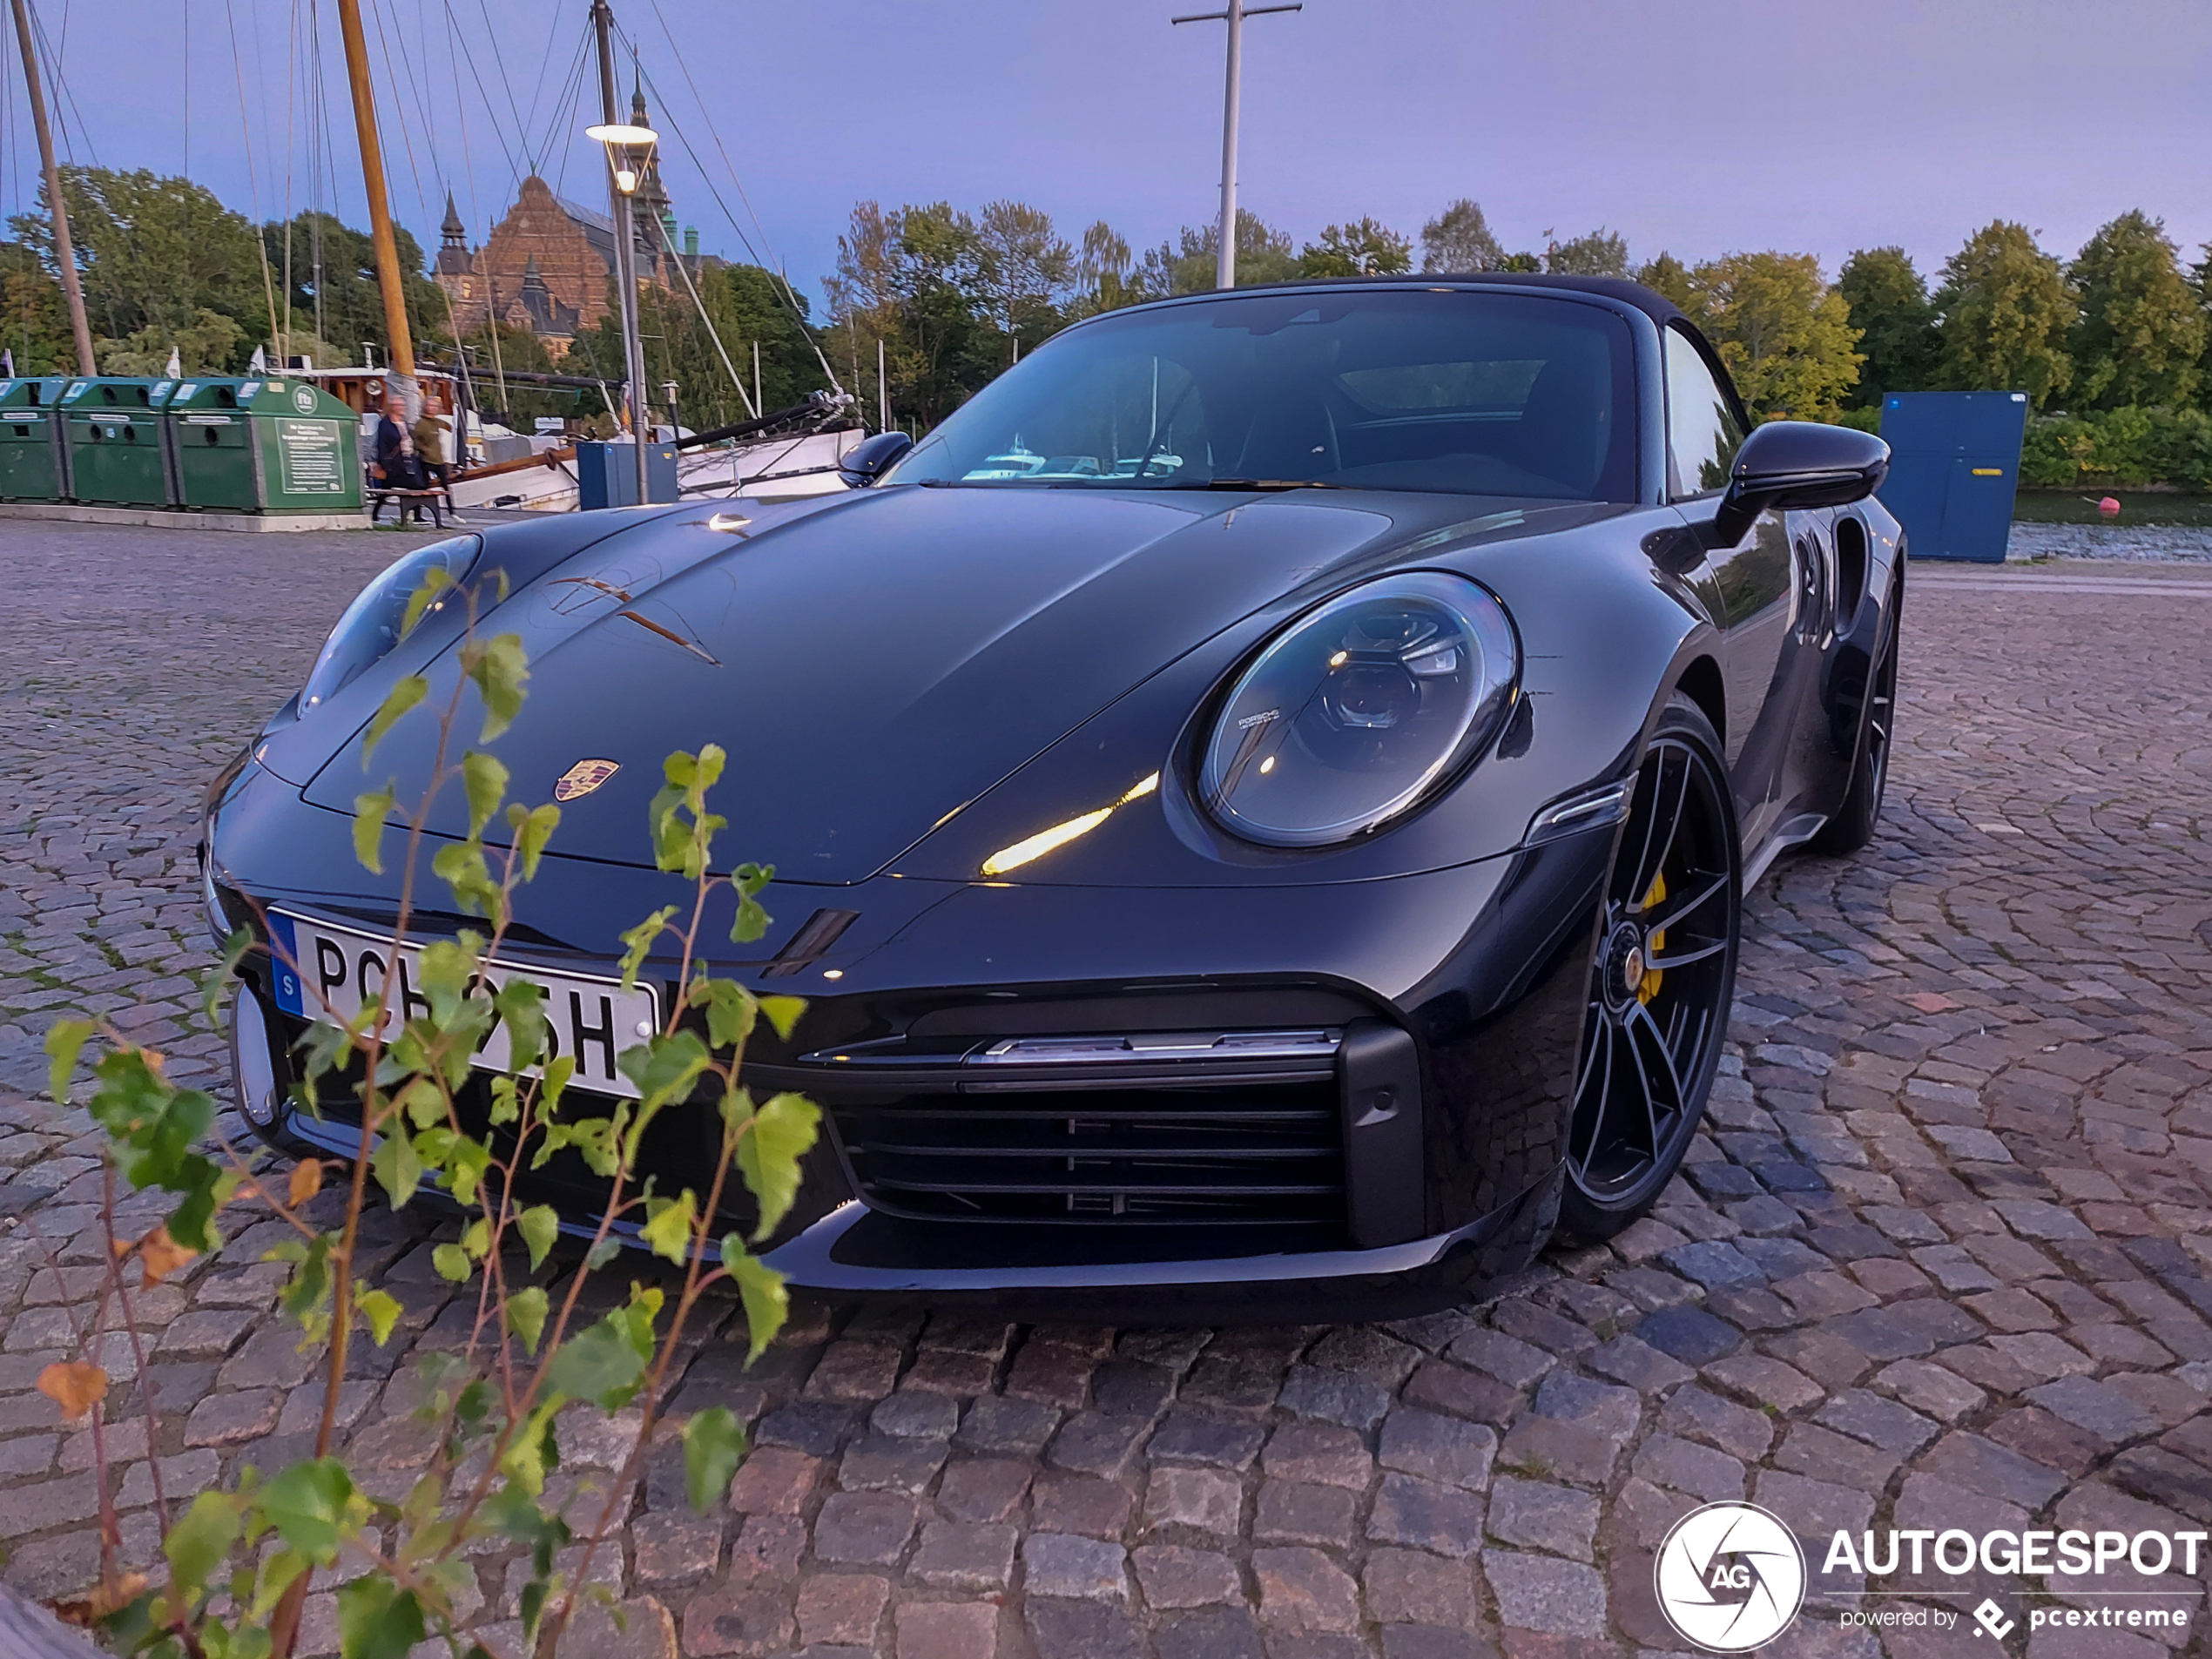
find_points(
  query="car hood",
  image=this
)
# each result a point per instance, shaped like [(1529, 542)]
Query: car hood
[(874, 667)]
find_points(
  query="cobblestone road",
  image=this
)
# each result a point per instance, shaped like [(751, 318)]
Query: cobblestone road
[(1944, 1259)]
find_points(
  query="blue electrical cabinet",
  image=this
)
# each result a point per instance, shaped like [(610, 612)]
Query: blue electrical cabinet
[(606, 474), (1954, 469)]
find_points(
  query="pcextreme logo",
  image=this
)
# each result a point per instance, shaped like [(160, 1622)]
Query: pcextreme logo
[(1730, 1577)]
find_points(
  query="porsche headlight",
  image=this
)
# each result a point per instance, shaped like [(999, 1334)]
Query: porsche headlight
[(1358, 708), (372, 623)]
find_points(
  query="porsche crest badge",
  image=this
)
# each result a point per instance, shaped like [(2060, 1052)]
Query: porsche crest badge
[(584, 777)]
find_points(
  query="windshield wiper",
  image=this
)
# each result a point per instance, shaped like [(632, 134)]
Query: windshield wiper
[(1259, 483)]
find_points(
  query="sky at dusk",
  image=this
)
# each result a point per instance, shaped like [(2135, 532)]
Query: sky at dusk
[(1698, 128)]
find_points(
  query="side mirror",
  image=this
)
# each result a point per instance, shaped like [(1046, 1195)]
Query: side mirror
[(871, 457), (1788, 464)]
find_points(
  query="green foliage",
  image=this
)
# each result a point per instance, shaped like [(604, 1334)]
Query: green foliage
[(1191, 262), (1364, 247), (1602, 253), (1896, 322), (1785, 336), (713, 1441), (2128, 446), (2006, 311), (1459, 240), (2141, 331), (326, 271)]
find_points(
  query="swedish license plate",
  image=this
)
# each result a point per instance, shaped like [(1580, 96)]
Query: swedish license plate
[(338, 969)]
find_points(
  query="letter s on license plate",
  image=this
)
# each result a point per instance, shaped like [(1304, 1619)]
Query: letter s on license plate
[(338, 969)]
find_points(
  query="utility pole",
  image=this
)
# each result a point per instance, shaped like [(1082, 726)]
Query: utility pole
[(1226, 271), (64, 255), (625, 251), (399, 344)]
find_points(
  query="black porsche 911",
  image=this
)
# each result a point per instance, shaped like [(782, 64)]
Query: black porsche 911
[(1260, 797)]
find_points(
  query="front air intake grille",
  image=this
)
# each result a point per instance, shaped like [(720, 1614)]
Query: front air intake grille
[(1241, 1153), (1175, 1127)]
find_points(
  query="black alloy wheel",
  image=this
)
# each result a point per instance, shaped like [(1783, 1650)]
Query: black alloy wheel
[(1662, 983), (1852, 824)]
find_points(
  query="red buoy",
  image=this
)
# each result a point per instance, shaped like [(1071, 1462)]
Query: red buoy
[(2109, 507)]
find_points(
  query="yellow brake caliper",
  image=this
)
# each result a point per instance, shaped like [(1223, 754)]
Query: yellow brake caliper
[(1652, 976)]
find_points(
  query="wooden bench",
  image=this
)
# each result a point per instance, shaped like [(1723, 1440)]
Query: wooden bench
[(378, 494)]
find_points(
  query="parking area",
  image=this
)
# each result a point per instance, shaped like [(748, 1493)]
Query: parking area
[(1942, 1258)]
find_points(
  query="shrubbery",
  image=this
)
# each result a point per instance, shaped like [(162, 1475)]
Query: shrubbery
[(2123, 446)]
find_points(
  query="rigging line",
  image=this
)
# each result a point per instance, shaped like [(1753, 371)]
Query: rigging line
[(391, 79), (461, 40), (777, 274), (72, 131), (453, 37), (563, 107), (537, 86), (291, 87), (252, 186), (676, 259), (499, 62)]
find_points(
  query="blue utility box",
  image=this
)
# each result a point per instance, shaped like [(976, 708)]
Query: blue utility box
[(606, 474), (1954, 469)]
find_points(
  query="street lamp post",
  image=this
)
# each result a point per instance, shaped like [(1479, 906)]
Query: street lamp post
[(628, 149), (1225, 268)]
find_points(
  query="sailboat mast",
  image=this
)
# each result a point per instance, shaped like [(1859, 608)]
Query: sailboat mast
[(633, 347), (400, 348), (64, 255)]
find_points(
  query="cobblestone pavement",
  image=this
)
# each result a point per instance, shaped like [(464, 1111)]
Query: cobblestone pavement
[(1942, 1258)]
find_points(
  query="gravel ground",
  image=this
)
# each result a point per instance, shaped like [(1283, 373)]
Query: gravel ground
[(2184, 543)]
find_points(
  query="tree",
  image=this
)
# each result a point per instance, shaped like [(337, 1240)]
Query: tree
[(154, 251), (1784, 334), (34, 317), (1890, 307), (2005, 311), (1458, 239), (914, 280), (1189, 263), (1669, 278), (1102, 277), (2142, 329), (209, 344), (1601, 253), (1366, 247), (330, 260), (1023, 268)]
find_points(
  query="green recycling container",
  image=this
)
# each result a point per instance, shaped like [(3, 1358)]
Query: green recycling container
[(117, 455), (263, 446), (34, 459)]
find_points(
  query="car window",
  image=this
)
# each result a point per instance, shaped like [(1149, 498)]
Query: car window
[(1702, 436), (1404, 388)]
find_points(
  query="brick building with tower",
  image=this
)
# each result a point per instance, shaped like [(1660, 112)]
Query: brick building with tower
[(546, 266)]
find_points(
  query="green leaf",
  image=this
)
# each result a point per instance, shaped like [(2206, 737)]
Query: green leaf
[(201, 1541), (600, 1363), (217, 980), (402, 697), (521, 1007), (667, 1231), (730, 1010), (461, 866), (783, 1013), (540, 1225), (377, 1619), (781, 1133), (65, 1040), (751, 920), (452, 1262), (305, 1293), (369, 813), (602, 1251), (761, 1288), (397, 1168), (501, 668), (312, 1506), (533, 828), (665, 1068), (639, 941), (713, 1441), (526, 1315), (382, 1309), (485, 780), (276, 1575), (435, 580)]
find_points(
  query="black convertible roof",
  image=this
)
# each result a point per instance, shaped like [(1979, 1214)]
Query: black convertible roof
[(1653, 304)]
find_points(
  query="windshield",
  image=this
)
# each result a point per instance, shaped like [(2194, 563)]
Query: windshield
[(1397, 388)]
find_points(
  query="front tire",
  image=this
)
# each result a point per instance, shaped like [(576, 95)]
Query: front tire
[(1662, 981)]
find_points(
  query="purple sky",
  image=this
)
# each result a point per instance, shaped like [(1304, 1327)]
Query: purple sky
[(1695, 128)]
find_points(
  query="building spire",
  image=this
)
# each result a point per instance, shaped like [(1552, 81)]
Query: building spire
[(453, 230)]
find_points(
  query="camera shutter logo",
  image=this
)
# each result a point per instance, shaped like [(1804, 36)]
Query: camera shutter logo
[(1730, 1577)]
